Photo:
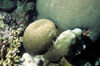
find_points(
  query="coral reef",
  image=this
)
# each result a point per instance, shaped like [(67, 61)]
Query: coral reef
[(63, 34)]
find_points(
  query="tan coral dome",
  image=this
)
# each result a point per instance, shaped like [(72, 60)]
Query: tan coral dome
[(38, 36)]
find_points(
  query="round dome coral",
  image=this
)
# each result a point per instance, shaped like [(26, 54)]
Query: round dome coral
[(39, 35)]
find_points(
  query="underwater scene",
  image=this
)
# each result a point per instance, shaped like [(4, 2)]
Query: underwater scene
[(49, 32)]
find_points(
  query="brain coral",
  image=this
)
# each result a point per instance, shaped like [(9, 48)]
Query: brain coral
[(38, 36), (69, 14)]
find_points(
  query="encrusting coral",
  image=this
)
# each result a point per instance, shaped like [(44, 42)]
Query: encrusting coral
[(39, 36)]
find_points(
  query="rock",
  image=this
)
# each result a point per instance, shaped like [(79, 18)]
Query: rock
[(39, 36), (7, 4), (69, 14)]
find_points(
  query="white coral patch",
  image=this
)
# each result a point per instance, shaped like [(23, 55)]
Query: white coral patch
[(29, 60)]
